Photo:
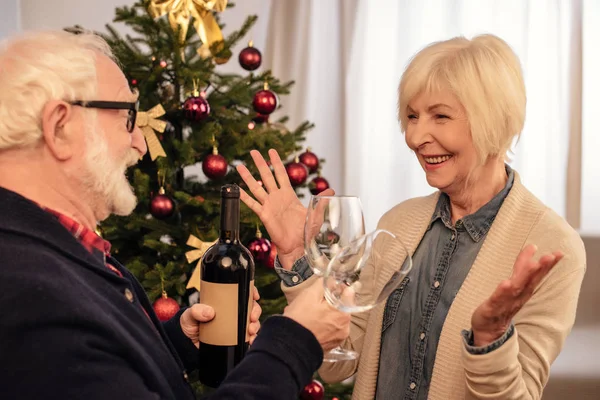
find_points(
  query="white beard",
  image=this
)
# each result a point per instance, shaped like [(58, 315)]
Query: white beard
[(104, 179)]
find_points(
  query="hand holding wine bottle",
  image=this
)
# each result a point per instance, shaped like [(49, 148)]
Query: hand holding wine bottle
[(201, 313)]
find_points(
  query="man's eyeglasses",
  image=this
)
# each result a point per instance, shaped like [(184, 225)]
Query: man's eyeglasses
[(113, 105)]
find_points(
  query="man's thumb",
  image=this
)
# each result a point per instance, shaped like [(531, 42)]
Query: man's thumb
[(203, 312)]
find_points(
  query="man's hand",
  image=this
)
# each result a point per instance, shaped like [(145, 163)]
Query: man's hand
[(200, 313), (310, 309), (492, 318)]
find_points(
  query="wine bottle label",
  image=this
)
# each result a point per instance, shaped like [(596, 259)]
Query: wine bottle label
[(223, 297), (250, 305)]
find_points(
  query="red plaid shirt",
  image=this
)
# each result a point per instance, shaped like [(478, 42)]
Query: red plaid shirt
[(88, 238), (91, 241)]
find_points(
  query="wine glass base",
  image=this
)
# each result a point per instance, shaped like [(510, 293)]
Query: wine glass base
[(339, 354)]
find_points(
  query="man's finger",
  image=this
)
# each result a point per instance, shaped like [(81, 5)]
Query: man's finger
[(202, 312), (256, 295), (256, 312), (253, 328), (317, 290)]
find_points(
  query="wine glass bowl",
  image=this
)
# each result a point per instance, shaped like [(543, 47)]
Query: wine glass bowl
[(331, 223), (363, 274)]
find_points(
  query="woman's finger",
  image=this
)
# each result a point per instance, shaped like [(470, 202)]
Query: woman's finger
[(264, 170), (250, 202), (257, 190), (279, 168)]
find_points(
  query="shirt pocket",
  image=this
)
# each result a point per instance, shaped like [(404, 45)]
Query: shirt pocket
[(393, 304)]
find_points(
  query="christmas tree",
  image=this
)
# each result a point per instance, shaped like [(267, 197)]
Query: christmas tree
[(198, 124)]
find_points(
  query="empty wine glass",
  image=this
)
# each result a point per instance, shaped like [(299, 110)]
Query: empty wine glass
[(362, 275), (332, 222)]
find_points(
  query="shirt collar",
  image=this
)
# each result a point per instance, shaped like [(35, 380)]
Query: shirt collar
[(477, 224), (88, 238)]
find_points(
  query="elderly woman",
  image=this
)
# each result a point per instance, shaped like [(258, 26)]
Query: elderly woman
[(493, 291)]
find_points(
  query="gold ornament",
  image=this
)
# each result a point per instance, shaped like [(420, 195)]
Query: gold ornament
[(179, 14), (148, 123), (194, 255)]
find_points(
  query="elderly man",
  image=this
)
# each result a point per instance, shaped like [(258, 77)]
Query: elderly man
[(75, 323)]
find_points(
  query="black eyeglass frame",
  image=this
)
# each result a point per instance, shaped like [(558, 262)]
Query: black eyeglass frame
[(113, 105)]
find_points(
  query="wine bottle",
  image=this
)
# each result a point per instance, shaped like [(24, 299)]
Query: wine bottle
[(226, 284)]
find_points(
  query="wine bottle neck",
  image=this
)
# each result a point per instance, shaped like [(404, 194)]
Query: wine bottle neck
[(230, 219)]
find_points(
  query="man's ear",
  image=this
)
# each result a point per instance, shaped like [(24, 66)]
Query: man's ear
[(55, 115)]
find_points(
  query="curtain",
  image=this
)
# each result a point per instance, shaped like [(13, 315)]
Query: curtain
[(348, 58)]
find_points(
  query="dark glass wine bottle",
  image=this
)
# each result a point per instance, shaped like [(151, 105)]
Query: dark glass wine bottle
[(226, 284)]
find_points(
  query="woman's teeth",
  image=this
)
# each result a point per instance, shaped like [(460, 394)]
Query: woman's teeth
[(436, 160)]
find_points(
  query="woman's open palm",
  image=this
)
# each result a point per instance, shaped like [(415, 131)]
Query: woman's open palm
[(276, 204)]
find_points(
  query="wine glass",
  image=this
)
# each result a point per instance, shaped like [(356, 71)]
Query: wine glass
[(332, 222), (362, 275)]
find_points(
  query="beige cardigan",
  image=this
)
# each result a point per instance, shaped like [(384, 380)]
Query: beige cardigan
[(517, 370)]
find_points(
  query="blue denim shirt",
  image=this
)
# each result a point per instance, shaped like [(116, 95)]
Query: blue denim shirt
[(416, 311)]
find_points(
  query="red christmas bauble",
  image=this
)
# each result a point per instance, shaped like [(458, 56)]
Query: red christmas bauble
[(265, 102), (196, 108), (260, 118), (260, 248), (165, 308), (311, 161), (161, 205), (297, 173), (313, 391), (214, 166), (250, 58), (317, 185), (272, 255)]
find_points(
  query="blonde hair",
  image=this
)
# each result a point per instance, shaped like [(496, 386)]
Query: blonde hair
[(485, 75), (38, 67)]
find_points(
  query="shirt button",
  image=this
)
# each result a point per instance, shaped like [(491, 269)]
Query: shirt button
[(436, 284), (413, 386), (422, 336), (295, 279), (129, 295)]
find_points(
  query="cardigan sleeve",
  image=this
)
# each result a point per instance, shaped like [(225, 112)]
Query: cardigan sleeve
[(519, 369)]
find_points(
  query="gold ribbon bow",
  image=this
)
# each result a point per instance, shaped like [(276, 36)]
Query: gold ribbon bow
[(148, 123), (180, 11), (194, 255)]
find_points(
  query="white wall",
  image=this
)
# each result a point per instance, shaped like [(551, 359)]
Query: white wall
[(9, 17)]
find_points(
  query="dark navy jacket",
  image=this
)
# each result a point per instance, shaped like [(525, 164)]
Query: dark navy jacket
[(71, 329)]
